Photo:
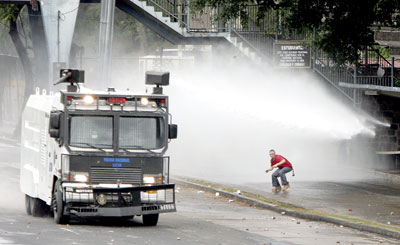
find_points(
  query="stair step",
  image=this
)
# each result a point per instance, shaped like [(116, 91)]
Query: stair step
[(168, 20), (233, 40)]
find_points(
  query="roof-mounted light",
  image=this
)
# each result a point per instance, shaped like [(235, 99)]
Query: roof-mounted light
[(88, 99), (144, 101), (116, 100)]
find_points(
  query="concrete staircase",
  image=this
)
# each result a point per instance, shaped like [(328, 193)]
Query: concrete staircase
[(179, 32)]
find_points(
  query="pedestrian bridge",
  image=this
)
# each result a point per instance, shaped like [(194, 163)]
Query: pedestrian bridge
[(375, 74), (177, 23)]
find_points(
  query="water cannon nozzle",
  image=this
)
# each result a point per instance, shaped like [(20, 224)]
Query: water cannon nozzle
[(157, 78)]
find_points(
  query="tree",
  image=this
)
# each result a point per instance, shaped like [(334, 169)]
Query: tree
[(10, 14), (341, 27)]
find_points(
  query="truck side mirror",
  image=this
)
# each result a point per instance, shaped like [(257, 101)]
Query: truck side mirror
[(55, 119), (55, 123), (54, 133), (172, 131)]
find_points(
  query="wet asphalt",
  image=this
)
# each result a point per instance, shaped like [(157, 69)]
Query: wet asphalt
[(372, 200)]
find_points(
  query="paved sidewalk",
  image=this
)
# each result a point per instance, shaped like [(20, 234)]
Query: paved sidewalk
[(366, 205)]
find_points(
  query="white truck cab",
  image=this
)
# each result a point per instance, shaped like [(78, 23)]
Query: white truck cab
[(93, 153)]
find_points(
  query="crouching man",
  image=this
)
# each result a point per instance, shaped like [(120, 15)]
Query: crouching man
[(283, 166)]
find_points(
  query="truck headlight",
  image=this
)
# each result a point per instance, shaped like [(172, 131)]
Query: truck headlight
[(76, 176), (80, 177), (151, 179)]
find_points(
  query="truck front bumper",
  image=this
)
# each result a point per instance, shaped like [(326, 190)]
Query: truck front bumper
[(114, 201)]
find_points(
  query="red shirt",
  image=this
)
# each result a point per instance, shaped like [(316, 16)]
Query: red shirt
[(279, 158)]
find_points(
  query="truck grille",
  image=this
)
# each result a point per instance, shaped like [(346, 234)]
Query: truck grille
[(110, 175)]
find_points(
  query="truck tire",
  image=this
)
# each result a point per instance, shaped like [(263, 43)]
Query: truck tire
[(38, 208), (58, 205), (150, 219), (28, 205)]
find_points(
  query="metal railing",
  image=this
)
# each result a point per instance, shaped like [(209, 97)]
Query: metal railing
[(175, 10), (333, 73), (260, 34)]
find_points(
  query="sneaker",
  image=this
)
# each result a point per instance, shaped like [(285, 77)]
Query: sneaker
[(285, 187), (277, 188)]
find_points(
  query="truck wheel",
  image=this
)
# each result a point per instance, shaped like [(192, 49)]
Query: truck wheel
[(58, 205), (150, 219), (28, 204), (37, 207)]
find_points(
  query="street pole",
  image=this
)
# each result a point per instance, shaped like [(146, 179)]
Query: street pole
[(392, 72), (355, 82), (105, 39)]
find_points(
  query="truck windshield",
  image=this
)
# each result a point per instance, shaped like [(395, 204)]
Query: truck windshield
[(91, 131), (141, 132)]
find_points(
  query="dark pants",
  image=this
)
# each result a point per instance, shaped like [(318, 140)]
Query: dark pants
[(280, 172)]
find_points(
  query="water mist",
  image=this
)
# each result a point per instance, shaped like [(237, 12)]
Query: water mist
[(231, 113)]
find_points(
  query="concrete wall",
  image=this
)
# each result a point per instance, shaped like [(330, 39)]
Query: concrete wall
[(385, 109), (12, 85)]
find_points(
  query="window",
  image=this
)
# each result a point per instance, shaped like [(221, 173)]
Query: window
[(141, 132), (91, 131)]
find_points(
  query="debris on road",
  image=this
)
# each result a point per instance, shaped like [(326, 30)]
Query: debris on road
[(217, 194)]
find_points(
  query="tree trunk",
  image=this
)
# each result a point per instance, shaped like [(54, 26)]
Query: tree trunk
[(22, 53), (26, 63)]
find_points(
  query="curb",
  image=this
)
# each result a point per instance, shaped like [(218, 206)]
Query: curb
[(297, 214), (391, 178)]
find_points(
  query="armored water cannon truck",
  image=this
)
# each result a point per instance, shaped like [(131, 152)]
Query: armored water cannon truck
[(97, 154)]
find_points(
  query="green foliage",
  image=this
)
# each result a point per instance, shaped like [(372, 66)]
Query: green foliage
[(342, 28), (7, 12)]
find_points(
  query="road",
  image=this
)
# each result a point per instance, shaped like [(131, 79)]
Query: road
[(202, 218)]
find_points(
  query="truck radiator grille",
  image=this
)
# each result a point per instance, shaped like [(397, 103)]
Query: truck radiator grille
[(111, 175)]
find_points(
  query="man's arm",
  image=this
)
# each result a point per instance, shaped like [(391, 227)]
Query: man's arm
[(276, 165)]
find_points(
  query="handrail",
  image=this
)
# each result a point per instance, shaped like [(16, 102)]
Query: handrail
[(257, 36), (379, 55), (169, 13), (248, 43)]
